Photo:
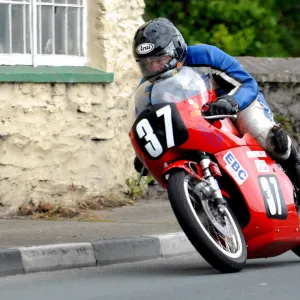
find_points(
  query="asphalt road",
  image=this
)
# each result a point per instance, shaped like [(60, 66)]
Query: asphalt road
[(187, 277)]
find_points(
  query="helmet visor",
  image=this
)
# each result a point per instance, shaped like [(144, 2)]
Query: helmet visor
[(153, 65)]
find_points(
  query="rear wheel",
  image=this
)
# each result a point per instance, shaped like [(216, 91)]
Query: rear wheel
[(214, 231)]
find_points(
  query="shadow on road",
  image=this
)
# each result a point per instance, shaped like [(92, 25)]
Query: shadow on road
[(268, 263), (198, 267)]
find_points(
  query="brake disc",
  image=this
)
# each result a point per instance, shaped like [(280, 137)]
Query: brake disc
[(225, 229)]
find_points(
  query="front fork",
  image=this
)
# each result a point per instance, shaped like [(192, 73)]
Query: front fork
[(208, 185)]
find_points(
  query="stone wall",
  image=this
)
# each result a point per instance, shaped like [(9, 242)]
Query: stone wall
[(68, 142), (60, 142), (279, 81)]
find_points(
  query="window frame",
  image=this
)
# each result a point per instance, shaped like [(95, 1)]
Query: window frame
[(34, 59)]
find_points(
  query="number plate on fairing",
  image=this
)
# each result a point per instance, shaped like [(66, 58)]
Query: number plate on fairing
[(159, 128), (275, 205)]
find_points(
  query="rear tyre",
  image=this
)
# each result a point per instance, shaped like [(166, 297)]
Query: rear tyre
[(216, 236)]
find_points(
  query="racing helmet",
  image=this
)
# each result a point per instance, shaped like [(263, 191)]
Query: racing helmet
[(158, 47)]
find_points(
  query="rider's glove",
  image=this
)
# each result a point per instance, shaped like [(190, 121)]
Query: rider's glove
[(138, 165), (223, 105)]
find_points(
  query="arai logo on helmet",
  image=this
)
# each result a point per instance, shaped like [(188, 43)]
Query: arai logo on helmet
[(144, 48)]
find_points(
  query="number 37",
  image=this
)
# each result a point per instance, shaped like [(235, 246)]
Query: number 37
[(144, 130), (276, 207)]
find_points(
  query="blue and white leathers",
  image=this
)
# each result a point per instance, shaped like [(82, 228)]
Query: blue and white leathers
[(228, 77)]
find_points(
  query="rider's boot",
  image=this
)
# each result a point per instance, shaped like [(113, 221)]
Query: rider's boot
[(292, 168)]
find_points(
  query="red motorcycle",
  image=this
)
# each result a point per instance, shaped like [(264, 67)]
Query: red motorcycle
[(230, 198)]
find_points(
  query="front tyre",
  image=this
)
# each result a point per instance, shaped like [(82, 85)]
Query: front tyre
[(217, 237)]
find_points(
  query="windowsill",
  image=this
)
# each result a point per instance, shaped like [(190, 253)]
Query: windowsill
[(44, 74)]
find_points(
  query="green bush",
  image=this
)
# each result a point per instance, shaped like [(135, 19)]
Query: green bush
[(238, 27), (135, 191), (284, 121)]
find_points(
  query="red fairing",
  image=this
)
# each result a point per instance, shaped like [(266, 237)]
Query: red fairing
[(265, 236), (273, 226)]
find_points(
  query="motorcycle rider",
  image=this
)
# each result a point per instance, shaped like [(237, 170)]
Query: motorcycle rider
[(160, 51)]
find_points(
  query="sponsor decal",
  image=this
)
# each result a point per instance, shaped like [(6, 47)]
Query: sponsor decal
[(196, 106), (235, 168), (273, 198), (261, 166), (144, 48), (267, 111), (254, 154)]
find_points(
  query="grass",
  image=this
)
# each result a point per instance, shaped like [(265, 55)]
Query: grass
[(80, 211), (284, 121), (136, 191), (83, 210)]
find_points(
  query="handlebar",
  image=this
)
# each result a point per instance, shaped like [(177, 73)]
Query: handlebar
[(220, 117)]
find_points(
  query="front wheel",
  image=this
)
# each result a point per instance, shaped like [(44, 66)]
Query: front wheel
[(214, 232)]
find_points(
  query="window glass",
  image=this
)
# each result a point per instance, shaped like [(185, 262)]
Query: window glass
[(17, 27), (72, 31), (59, 31), (4, 28)]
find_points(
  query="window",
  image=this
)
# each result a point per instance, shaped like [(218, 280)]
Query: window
[(43, 32)]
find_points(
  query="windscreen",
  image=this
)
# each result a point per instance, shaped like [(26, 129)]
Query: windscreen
[(186, 83), (183, 85)]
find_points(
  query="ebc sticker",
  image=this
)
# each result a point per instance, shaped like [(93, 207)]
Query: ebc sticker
[(235, 168), (273, 197)]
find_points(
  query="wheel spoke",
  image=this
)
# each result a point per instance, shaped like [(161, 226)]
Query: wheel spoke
[(221, 229), (230, 243)]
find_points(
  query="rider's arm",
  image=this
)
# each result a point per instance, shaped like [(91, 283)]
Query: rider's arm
[(227, 72)]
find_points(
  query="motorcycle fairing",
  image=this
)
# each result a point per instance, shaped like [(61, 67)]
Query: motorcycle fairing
[(268, 194)]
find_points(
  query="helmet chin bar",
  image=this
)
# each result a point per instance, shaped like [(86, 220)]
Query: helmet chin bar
[(166, 74), (168, 71)]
